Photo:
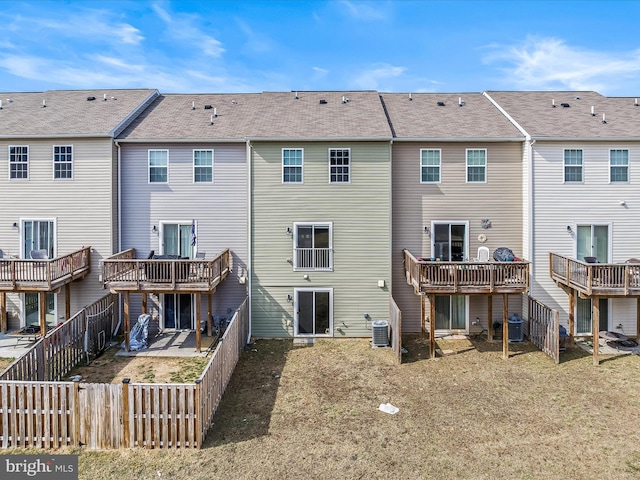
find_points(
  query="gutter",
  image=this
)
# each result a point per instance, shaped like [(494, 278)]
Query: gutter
[(182, 140), (249, 232), (458, 139), (320, 139)]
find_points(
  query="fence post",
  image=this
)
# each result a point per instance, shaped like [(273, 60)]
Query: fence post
[(76, 413), (200, 408), (125, 411)]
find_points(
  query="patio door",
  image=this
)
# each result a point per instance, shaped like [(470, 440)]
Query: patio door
[(313, 312), (451, 313), (38, 235), (178, 239), (584, 317), (177, 311), (449, 241), (32, 308)]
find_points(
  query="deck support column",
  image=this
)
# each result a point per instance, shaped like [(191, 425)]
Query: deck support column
[(198, 314), (637, 319), (43, 313), (144, 303), (490, 318), (572, 308), (209, 313), (67, 302), (125, 310), (423, 313), (3, 312), (432, 326), (505, 326), (595, 329)]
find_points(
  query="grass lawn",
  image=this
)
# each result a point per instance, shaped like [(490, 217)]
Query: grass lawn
[(311, 412)]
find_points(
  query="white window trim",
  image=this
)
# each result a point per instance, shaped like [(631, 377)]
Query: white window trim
[(564, 165), (295, 315), (466, 163), (28, 162), (349, 168), (282, 167), (465, 254), (439, 150), (149, 165), (53, 161), (194, 164), (161, 226), (295, 243), (628, 170), (38, 219)]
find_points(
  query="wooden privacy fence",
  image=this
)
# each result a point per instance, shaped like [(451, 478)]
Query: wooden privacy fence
[(110, 416), (544, 328), (395, 326)]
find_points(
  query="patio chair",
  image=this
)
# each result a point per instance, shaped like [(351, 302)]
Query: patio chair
[(1, 254), (483, 254), (39, 254), (591, 259), (200, 255)]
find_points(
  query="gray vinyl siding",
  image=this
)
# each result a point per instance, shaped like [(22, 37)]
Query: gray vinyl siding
[(416, 205), (81, 208), (219, 209), (594, 201), (360, 215)]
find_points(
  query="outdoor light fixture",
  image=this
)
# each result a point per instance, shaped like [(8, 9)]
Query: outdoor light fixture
[(427, 230), (569, 229), (15, 225), (288, 230), (289, 298), (154, 229)]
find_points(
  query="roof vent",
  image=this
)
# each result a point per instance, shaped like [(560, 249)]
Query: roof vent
[(323, 102), (460, 102), (44, 103), (441, 104), (565, 105), (603, 119), (104, 97), (296, 97), (234, 102), (577, 98), (553, 103), (593, 111), (345, 99), (636, 103), (208, 107), (410, 97), (90, 99)]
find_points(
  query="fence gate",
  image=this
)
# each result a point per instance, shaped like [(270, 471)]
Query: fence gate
[(99, 415)]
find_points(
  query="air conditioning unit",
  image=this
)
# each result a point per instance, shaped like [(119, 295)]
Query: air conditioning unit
[(380, 333)]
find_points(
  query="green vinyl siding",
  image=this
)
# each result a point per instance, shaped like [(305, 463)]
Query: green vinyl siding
[(359, 213)]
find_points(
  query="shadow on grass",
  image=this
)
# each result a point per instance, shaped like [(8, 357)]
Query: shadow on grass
[(248, 402)]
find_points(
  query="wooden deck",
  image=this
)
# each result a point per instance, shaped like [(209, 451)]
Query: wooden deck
[(596, 279), (18, 275), (122, 272), (466, 278)]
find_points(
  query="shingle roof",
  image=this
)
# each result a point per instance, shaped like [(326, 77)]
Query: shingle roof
[(419, 116), (184, 116), (348, 114), (68, 112), (535, 113)]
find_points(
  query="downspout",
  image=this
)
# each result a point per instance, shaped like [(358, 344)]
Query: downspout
[(531, 223), (249, 233), (119, 223), (390, 221)]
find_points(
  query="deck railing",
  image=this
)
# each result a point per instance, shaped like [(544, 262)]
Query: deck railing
[(43, 275), (466, 277), (612, 279), (544, 328)]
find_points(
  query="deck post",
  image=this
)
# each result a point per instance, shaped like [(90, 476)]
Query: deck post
[(198, 314), (572, 307), (43, 313), (432, 326), (595, 327), (125, 412), (67, 301), (144, 303), (76, 441), (423, 313), (637, 319), (490, 318), (126, 320), (209, 313), (505, 326), (3, 312)]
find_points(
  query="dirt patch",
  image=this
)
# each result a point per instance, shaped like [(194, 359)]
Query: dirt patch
[(5, 362)]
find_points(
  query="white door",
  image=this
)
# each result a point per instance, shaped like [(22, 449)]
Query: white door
[(313, 312), (38, 235)]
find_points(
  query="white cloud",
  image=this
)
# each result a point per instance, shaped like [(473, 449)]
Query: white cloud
[(364, 11), (549, 63), (184, 28), (320, 71), (371, 79)]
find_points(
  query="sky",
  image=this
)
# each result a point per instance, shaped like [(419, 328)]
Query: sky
[(254, 46)]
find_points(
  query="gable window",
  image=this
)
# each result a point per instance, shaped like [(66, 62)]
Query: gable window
[(476, 166), (430, 166), (573, 165), (313, 246), (158, 166), (18, 162), (63, 161), (618, 165), (292, 165), (339, 165), (203, 166)]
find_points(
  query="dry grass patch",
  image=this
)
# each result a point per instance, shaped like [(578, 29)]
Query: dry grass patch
[(5, 362), (312, 412)]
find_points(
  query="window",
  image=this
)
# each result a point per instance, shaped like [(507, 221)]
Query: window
[(62, 161), (573, 165), (314, 312), (291, 165), (618, 165), (476, 166), (158, 166), (339, 165), (429, 166), (203, 166), (18, 162), (313, 244)]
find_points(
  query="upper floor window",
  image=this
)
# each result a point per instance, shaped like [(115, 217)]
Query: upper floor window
[(339, 165), (292, 165), (476, 166), (429, 166), (618, 165), (572, 165), (203, 166), (313, 246), (18, 162), (63, 161), (158, 166)]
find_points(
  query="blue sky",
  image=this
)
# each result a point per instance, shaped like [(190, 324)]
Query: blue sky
[(253, 46)]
